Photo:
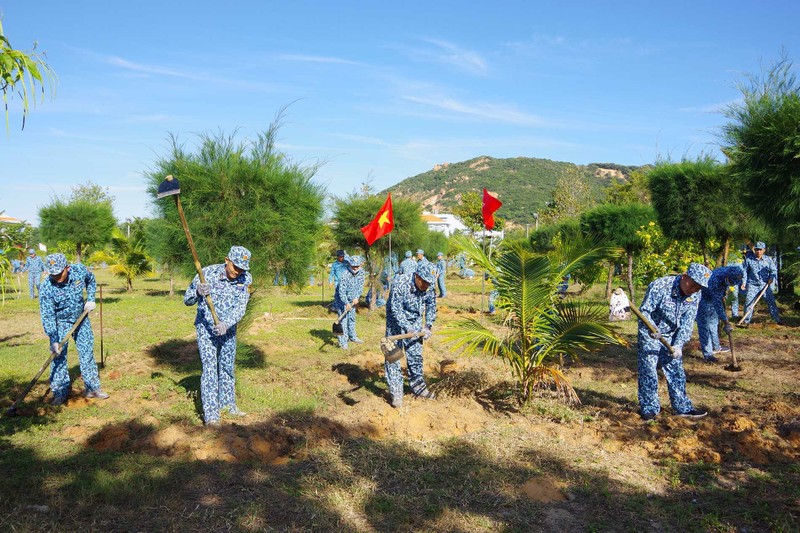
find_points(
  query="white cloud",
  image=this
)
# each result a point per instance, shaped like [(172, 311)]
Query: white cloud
[(488, 111)]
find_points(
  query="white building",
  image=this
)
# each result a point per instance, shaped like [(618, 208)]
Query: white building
[(444, 222)]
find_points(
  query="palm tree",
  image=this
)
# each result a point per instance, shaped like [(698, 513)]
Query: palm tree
[(538, 327), (127, 260)]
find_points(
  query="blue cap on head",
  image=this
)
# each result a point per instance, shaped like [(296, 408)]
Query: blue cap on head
[(734, 274), (240, 257), (439, 254), (408, 253), (55, 263), (339, 253), (420, 251), (426, 270), (31, 251), (699, 274), (356, 260), (760, 246)]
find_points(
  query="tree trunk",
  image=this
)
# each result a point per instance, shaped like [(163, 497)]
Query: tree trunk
[(704, 248), (630, 275), (79, 253), (722, 258), (610, 280), (171, 284)]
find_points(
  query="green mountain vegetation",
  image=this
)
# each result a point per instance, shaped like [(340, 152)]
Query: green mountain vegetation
[(524, 184)]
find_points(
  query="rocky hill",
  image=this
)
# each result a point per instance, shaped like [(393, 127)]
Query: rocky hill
[(523, 184)]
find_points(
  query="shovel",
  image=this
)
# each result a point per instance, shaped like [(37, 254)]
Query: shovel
[(13, 409), (753, 305), (734, 366), (391, 351), (651, 327), (337, 326)]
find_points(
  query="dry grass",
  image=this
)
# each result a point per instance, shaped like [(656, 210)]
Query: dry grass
[(321, 450)]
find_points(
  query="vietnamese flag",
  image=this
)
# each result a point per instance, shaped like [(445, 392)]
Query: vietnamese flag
[(382, 224), (490, 205)]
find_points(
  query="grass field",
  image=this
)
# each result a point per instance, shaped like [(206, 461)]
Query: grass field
[(321, 449)]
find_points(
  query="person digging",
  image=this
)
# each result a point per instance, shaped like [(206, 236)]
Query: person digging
[(411, 308)]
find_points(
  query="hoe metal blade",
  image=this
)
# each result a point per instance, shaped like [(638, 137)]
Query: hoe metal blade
[(169, 187)]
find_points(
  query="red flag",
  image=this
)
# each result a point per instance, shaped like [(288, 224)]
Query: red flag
[(490, 205), (382, 224)]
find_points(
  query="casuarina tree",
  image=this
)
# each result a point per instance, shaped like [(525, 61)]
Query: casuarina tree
[(618, 225), (698, 200), (78, 220), (243, 193)]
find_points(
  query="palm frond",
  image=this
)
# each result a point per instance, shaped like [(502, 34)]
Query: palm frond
[(471, 336), (544, 376)]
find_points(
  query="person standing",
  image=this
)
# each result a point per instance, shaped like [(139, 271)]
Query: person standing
[(670, 304), (61, 302), (228, 285), (408, 265), (338, 267), (348, 292), (35, 268), (712, 309), (441, 272), (411, 308), (420, 254), (759, 270)]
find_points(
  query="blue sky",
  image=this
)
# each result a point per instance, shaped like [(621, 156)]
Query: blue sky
[(377, 91)]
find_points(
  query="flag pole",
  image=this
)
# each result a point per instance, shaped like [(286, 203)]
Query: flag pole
[(483, 277)]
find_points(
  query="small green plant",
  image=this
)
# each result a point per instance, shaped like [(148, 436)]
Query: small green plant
[(538, 329)]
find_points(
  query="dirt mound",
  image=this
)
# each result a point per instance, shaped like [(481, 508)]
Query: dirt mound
[(232, 443), (728, 436)]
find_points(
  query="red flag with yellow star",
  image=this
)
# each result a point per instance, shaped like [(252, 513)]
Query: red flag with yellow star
[(382, 224)]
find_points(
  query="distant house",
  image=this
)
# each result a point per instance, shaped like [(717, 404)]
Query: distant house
[(10, 220), (444, 222)]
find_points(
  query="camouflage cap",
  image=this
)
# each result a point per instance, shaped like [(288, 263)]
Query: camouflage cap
[(408, 253), (31, 251), (426, 270), (55, 263), (340, 253), (699, 274), (240, 257), (439, 254), (420, 251), (760, 246), (356, 260)]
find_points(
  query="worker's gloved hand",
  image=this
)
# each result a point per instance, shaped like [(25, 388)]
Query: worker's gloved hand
[(55, 348), (727, 328), (89, 306), (655, 335), (677, 352), (426, 333), (220, 329), (203, 289)]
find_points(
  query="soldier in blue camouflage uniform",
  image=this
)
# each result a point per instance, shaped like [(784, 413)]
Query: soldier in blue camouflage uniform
[(228, 285), (759, 270), (348, 292), (441, 270), (60, 304), (411, 308), (712, 309), (670, 304), (338, 268), (35, 269), (408, 265)]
